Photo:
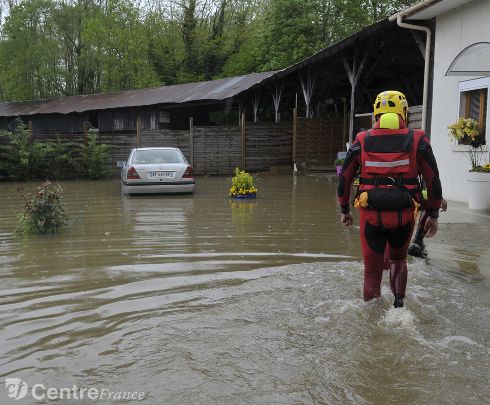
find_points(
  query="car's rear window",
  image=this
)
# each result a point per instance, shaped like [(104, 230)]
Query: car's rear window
[(157, 156)]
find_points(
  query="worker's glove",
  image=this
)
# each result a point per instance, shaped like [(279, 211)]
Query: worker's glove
[(347, 219), (430, 227)]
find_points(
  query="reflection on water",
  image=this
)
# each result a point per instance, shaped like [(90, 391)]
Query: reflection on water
[(199, 299)]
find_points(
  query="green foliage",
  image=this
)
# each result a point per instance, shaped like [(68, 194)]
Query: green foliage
[(94, 157), (242, 183), (339, 162), (52, 48), (17, 153), (22, 158), (118, 36), (44, 212), (288, 35)]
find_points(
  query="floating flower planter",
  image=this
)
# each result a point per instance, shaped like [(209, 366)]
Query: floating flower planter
[(245, 196), (242, 186)]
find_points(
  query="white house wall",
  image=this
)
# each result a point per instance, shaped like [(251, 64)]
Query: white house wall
[(455, 31)]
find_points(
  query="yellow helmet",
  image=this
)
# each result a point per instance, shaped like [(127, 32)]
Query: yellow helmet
[(391, 101)]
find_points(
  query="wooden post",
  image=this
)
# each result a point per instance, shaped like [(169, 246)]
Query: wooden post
[(307, 86), (138, 131), (354, 73), (276, 98), (243, 141), (191, 140), (256, 105), (344, 132), (295, 133)]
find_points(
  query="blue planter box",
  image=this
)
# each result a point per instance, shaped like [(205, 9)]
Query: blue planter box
[(245, 196)]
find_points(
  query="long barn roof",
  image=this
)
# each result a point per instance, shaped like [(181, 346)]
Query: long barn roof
[(215, 90)]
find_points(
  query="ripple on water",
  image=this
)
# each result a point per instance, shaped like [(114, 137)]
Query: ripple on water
[(199, 300)]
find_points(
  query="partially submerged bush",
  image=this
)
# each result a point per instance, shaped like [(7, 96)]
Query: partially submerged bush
[(44, 211)]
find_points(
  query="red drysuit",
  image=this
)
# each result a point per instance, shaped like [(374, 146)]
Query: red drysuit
[(389, 159)]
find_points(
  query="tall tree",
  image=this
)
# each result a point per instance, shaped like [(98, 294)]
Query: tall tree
[(62, 47), (288, 34), (116, 39), (30, 53)]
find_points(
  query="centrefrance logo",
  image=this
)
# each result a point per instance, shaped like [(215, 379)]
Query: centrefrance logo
[(18, 389)]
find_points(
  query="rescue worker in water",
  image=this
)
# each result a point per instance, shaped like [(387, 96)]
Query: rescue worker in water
[(390, 157)]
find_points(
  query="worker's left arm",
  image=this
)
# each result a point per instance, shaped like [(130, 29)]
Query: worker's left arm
[(346, 177), (428, 167)]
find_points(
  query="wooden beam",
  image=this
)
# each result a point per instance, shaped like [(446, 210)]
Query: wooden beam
[(243, 142), (255, 103), (307, 86), (482, 111), (191, 140), (354, 73), (138, 131), (419, 42), (276, 98), (295, 133)]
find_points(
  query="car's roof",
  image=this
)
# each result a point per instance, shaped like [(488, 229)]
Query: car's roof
[(156, 148)]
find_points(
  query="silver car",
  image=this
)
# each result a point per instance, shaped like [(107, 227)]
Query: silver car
[(156, 170)]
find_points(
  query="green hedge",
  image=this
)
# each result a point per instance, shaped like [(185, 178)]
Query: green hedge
[(25, 158)]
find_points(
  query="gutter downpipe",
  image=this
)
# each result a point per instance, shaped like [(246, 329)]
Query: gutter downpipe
[(399, 17)]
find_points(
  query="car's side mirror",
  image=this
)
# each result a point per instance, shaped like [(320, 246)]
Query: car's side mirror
[(121, 163)]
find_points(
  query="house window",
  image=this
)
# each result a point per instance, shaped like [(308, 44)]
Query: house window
[(163, 119), (474, 102), (474, 105)]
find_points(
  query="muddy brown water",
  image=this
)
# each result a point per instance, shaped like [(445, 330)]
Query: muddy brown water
[(199, 299)]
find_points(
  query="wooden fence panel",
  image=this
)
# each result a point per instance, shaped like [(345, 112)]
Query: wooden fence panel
[(216, 149), (319, 140), (268, 145), (167, 138), (415, 117), (120, 144)]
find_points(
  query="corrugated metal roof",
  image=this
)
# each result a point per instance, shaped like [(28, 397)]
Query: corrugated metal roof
[(338, 47), (216, 90)]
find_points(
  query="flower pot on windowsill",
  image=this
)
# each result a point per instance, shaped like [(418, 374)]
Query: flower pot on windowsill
[(339, 169), (478, 190)]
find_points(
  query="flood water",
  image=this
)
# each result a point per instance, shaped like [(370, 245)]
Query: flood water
[(198, 300)]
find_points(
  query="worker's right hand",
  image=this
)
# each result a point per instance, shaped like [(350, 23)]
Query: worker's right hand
[(443, 205), (347, 219), (430, 227)]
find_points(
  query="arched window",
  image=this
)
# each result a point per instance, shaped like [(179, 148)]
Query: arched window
[(472, 61)]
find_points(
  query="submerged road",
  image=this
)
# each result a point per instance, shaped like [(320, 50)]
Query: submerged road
[(199, 299)]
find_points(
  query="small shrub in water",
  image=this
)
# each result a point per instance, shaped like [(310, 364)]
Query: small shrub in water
[(44, 211)]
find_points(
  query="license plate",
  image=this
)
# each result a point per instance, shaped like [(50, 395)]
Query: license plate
[(162, 175)]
